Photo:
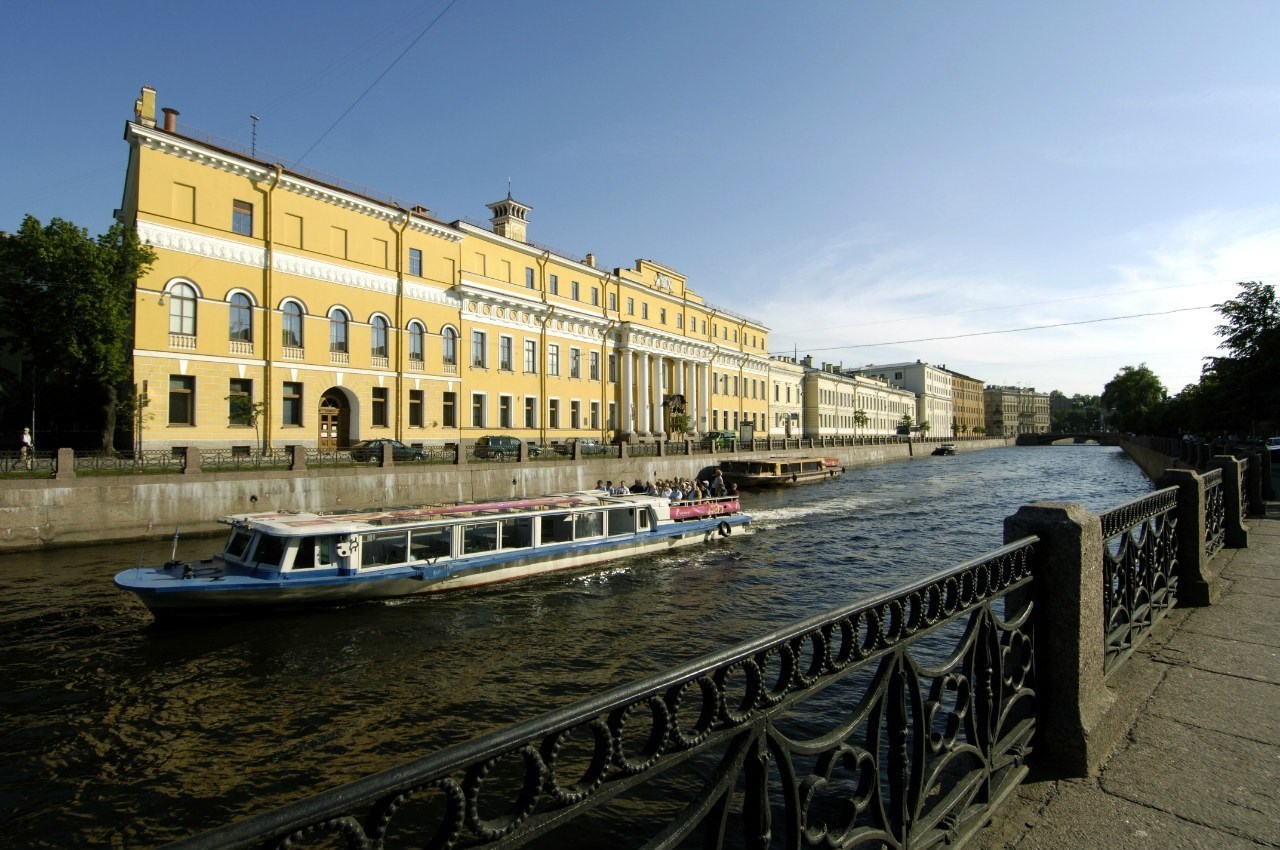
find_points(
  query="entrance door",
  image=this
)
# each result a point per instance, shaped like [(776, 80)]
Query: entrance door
[(329, 418)]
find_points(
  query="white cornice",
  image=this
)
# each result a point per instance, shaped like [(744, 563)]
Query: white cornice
[(232, 164)]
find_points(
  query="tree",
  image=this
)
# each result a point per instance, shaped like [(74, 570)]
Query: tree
[(1135, 393), (1244, 396), (979, 430), (679, 423), (70, 299), (923, 427), (905, 423), (860, 420)]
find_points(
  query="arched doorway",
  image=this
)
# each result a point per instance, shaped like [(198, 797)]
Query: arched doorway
[(334, 417)]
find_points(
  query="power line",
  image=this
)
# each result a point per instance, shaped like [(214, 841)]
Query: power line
[(371, 86), (1012, 330)]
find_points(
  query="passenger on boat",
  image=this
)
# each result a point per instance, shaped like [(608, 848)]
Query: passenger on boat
[(717, 485), (650, 489), (601, 486), (637, 487)]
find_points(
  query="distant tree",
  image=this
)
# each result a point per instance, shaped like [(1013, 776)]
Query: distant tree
[(923, 427), (1240, 391), (1135, 393), (69, 301), (979, 430), (679, 424), (860, 420)]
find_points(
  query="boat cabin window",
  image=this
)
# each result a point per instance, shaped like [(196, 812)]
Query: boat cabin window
[(517, 533), (315, 552), (269, 550), (427, 544), (238, 543), (557, 528), (622, 521), (643, 516), (588, 524), (480, 537), (383, 548)]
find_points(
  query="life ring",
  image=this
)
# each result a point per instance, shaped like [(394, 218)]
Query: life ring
[(724, 529)]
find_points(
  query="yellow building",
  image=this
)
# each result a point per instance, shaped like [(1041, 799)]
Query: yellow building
[(336, 316), (968, 407)]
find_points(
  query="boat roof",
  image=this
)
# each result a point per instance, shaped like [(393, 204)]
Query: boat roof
[(293, 523)]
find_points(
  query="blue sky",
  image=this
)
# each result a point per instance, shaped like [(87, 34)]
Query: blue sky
[(867, 178)]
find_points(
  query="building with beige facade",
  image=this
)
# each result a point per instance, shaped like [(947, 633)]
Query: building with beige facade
[(837, 404), (968, 410), (786, 397), (287, 309), (932, 386), (1011, 411)]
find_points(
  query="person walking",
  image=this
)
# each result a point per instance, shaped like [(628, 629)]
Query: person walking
[(28, 450)]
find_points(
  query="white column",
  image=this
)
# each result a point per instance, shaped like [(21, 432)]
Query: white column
[(627, 423), (677, 370), (691, 402), (659, 412), (642, 396), (704, 397)]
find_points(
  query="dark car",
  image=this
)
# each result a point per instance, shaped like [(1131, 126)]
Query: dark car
[(371, 450), (497, 446), (720, 439), (590, 446)]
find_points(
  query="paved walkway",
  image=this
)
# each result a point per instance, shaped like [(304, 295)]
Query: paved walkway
[(1200, 766)]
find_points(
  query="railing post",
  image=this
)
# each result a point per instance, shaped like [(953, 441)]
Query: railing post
[(1071, 692), (662, 447), (522, 453), (1233, 500), (1196, 584), (1264, 464), (192, 464), (1253, 485), (460, 458), (388, 457), (297, 458), (622, 451), (66, 464)]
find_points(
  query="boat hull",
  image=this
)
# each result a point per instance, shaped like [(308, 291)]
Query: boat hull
[(168, 595)]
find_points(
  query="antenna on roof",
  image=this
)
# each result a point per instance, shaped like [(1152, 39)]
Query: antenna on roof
[(253, 144), (508, 187)]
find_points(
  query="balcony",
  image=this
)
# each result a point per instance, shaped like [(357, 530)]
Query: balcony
[(186, 342), (240, 346), (291, 353), (340, 358)]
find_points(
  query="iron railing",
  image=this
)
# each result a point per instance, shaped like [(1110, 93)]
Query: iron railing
[(927, 706), (220, 460), (1215, 512), (130, 462), (1139, 569)]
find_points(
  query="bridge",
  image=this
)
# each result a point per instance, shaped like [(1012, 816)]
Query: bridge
[(1102, 439)]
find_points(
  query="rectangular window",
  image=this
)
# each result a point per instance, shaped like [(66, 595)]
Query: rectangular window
[(380, 253), (613, 301), (662, 315), (182, 400), (242, 218), (554, 286), (593, 366), (240, 402), (553, 359), (613, 415), (553, 413), (644, 310), (531, 356), (504, 411), (574, 290), (481, 265), (505, 358), (379, 407), (595, 296), (338, 242), (613, 368), (631, 306), (680, 320), (530, 411), (415, 262), (291, 413), (291, 230), (575, 363), (477, 410), (417, 402), (528, 277), (478, 349), (449, 410), (595, 416), (575, 415)]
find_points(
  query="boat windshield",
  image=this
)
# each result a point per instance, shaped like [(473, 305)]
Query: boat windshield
[(238, 543), (269, 550)]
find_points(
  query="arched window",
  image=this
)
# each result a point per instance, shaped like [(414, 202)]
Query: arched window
[(378, 329), (417, 337), (337, 331), (449, 339), (241, 318), (291, 327), (182, 309)]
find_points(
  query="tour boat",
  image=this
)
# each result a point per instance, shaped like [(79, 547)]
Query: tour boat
[(945, 449), (769, 471), (284, 559)]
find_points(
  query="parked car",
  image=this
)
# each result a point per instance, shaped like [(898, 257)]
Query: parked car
[(497, 446), (590, 446), (720, 439), (371, 450)]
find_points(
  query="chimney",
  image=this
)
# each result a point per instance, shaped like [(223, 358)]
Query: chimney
[(144, 108), (419, 209), (170, 119), (590, 260), (807, 361)]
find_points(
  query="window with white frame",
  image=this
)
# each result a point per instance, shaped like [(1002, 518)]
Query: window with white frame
[(553, 358), (531, 356), (505, 357), (477, 410), (182, 309), (339, 331), (478, 343)]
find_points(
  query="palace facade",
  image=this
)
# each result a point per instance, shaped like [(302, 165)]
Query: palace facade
[(286, 309)]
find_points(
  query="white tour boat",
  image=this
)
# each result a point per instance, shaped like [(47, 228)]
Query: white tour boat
[(283, 559)]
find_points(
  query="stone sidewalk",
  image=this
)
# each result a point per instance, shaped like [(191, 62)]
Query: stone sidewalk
[(1200, 766)]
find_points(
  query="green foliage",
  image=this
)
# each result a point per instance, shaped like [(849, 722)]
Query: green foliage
[(70, 301), (679, 423), (1084, 416), (1135, 393)]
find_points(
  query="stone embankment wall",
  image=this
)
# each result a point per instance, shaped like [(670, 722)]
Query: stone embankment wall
[(60, 512)]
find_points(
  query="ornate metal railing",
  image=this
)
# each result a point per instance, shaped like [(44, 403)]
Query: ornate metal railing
[(1139, 569), (231, 459), (127, 462), (1215, 512), (329, 457), (642, 450), (910, 743)]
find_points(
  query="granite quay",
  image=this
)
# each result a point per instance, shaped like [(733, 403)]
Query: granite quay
[(65, 498), (952, 688)]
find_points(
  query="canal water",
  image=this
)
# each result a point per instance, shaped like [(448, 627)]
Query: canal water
[(116, 733)]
